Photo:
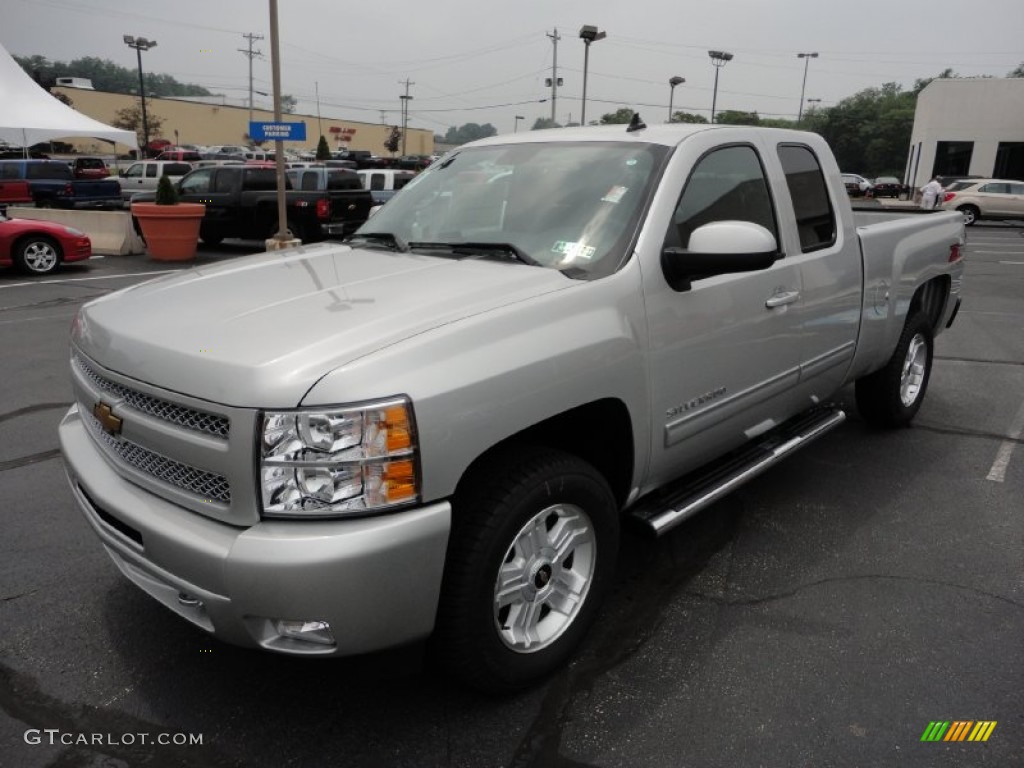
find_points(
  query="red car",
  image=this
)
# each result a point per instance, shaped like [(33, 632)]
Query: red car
[(39, 247), (89, 168)]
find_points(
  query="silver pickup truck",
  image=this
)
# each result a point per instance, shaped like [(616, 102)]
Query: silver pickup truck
[(437, 428)]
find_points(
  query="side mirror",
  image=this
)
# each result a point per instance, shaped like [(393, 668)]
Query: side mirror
[(719, 248)]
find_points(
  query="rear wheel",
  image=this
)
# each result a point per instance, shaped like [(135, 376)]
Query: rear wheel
[(892, 396), (37, 255), (971, 214), (532, 553)]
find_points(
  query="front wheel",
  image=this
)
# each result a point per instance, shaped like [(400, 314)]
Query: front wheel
[(37, 255), (532, 553), (970, 213), (891, 397)]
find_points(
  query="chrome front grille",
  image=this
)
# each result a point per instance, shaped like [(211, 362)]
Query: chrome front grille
[(189, 418), (208, 486)]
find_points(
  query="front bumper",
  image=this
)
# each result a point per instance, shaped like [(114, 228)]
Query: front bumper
[(375, 580)]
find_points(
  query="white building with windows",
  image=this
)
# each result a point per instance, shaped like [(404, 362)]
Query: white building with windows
[(968, 126)]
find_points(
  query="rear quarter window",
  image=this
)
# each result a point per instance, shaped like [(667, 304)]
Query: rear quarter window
[(343, 180), (815, 218)]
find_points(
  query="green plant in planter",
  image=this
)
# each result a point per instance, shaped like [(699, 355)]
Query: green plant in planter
[(166, 194)]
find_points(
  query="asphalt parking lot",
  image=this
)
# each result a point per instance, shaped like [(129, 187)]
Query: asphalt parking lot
[(823, 615)]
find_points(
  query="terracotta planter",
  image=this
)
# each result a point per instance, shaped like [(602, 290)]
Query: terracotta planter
[(171, 231)]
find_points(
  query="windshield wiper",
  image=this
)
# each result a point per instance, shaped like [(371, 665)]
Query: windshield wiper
[(387, 238), (483, 249)]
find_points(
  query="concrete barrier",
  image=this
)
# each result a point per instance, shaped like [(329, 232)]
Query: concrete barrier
[(111, 232)]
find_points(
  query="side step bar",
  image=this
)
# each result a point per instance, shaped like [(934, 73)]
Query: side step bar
[(663, 510)]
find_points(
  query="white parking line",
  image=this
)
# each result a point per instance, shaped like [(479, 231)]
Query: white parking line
[(1012, 262), (83, 279), (997, 473)]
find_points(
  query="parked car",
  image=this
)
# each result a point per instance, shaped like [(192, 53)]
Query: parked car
[(40, 247), (89, 168), (986, 199), (383, 183), (241, 201), (14, 192), (144, 175), (180, 155), (53, 184), (856, 184), (887, 186), (440, 426)]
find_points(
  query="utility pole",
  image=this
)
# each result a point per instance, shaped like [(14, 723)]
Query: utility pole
[(250, 53), (405, 110), (554, 73)]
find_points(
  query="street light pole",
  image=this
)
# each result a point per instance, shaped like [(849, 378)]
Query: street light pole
[(807, 60), (672, 83), (141, 44), (588, 33), (719, 59)]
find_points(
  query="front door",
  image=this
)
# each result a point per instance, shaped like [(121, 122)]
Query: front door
[(724, 354)]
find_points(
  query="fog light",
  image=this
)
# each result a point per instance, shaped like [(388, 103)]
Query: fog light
[(318, 632)]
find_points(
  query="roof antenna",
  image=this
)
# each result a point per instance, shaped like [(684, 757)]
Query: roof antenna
[(636, 124)]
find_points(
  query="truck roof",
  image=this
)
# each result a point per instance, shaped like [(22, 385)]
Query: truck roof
[(666, 134)]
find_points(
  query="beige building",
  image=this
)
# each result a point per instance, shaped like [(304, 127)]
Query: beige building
[(190, 122)]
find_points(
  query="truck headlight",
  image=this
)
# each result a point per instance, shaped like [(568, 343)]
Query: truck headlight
[(326, 462)]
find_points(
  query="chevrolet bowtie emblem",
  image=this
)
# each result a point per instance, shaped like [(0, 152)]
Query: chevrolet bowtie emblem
[(107, 420)]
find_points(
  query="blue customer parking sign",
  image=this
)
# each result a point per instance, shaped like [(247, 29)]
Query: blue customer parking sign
[(277, 131)]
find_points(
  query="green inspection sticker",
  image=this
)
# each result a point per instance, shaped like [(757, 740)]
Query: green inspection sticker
[(573, 251)]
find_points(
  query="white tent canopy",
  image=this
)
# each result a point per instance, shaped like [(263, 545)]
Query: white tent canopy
[(28, 114)]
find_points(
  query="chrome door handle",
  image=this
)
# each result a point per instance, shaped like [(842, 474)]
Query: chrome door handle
[(782, 298)]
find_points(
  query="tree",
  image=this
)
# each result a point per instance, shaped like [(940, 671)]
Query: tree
[(688, 117), (323, 151), (107, 76), (620, 116), (288, 103), (1018, 72), (130, 119), (544, 122), (469, 132), (737, 117), (394, 140)]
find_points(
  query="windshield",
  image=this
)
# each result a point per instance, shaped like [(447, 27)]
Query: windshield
[(567, 206)]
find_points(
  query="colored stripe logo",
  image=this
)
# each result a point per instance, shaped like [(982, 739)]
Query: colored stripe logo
[(958, 730)]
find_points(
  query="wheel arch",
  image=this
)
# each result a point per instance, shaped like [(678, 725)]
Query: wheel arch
[(931, 298), (599, 432)]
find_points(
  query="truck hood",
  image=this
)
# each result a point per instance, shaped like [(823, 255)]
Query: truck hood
[(260, 331)]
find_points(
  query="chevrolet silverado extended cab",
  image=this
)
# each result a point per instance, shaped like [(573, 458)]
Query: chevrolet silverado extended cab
[(241, 201), (437, 428)]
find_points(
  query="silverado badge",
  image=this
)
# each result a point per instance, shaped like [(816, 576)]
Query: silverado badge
[(110, 423)]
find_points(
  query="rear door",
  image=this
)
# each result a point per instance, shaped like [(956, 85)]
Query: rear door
[(830, 270)]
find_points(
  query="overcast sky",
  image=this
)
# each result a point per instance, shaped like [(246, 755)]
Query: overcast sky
[(486, 61)]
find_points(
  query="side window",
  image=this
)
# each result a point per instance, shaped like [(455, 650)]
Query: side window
[(223, 181), (997, 188), (376, 181), (10, 171), (134, 171), (309, 180), (197, 183), (151, 171), (727, 184), (815, 218), (1017, 189)]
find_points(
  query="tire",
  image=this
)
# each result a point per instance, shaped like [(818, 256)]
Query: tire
[(37, 255), (891, 397), (971, 214), (210, 239), (531, 556)]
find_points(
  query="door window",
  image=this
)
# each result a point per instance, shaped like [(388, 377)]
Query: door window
[(151, 171), (728, 184), (134, 172), (197, 183)]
